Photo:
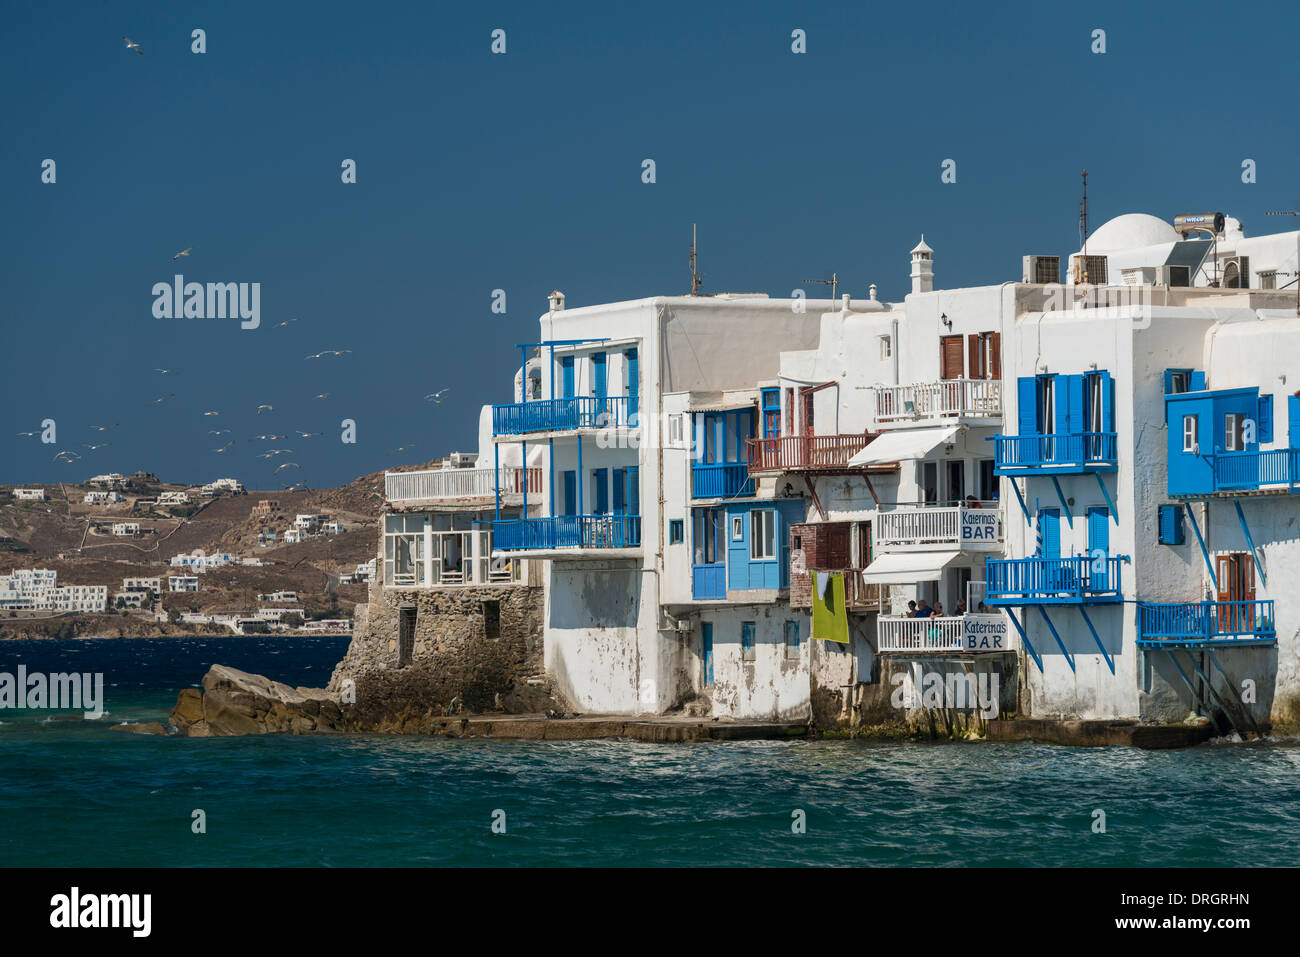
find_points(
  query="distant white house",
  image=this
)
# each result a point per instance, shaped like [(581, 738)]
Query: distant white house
[(195, 618), (199, 560), (183, 583), (111, 480), (126, 529), (279, 596), (100, 497), (332, 528), (222, 485), (128, 599), (142, 585), (174, 498), (29, 494), (293, 536)]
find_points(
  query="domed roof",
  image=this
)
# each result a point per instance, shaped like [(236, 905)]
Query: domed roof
[(1131, 231)]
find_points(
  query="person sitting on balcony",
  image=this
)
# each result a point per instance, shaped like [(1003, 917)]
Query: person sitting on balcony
[(961, 606), (972, 502), (983, 608), (911, 609), (923, 610), (938, 610)]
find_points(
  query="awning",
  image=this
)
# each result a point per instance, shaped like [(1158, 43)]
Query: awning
[(904, 444), (906, 568)]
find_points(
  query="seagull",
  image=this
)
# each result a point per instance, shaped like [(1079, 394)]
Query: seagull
[(211, 413), (163, 398), (337, 352), (226, 446), (265, 408), (73, 456), (285, 323), (27, 435), (132, 45), (165, 371), (183, 252), (217, 431), (295, 487), (323, 395), (275, 438), (104, 428), (96, 446), (402, 448), (278, 451), (305, 435), (436, 396), (286, 465), (316, 356)]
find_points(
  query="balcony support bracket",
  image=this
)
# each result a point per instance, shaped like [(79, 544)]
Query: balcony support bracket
[(1250, 541), (807, 480), (1069, 658), (871, 488), (1110, 662), (1110, 503), (1200, 540), (1209, 651), (1056, 483), (1020, 498), (1024, 636), (1196, 697)]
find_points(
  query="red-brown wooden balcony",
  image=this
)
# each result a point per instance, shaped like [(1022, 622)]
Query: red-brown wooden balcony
[(805, 453)]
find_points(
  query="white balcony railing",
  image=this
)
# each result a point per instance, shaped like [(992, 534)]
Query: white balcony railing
[(961, 527), (968, 633), (938, 401), (431, 485)]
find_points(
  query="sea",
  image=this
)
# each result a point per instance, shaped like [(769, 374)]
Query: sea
[(75, 793)]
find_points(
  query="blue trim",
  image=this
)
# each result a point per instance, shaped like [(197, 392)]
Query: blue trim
[(1021, 499), (1109, 502), (579, 483), (1251, 542), (496, 476), (1205, 553), (1024, 636), (1110, 662), (1059, 643), (1064, 507)]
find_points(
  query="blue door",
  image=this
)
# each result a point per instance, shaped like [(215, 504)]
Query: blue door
[(599, 491), (633, 384), (566, 377), (620, 491), (1099, 547), (600, 383), (706, 650), (570, 493), (1049, 547)]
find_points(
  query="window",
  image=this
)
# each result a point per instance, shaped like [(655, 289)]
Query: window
[(709, 548), (1170, 525), (951, 355), (771, 413), (886, 347), (792, 641), (406, 636), (675, 430), (1232, 429), (491, 619), (762, 540), (1046, 405), (984, 355), (747, 641), (1264, 419), (737, 528), (404, 549), (1190, 442), (675, 531), (1177, 381)]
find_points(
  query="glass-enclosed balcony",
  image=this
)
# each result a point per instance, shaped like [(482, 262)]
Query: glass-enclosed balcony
[(935, 403), (929, 526), (720, 480), (568, 531), (1206, 622), (1059, 453), (805, 453), (564, 415), (455, 485), (1078, 580)]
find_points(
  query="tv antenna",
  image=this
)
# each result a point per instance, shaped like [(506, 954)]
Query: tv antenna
[(697, 278), (833, 282), (1296, 280)]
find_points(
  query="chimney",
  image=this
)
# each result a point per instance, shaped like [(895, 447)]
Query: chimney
[(844, 302), (557, 301), (871, 293), (922, 267)]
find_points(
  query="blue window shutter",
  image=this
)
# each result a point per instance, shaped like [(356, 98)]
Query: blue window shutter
[(1293, 420), (1197, 381), (1107, 402), (620, 491), (1264, 423), (1070, 404), (634, 490), (1169, 381), (1171, 525), (1027, 405), (570, 493)]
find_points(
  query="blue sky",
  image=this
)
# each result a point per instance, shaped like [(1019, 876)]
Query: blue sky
[(523, 172)]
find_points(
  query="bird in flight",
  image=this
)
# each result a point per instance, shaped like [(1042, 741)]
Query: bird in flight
[(295, 487), (217, 431), (26, 435), (337, 352), (265, 408), (104, 428), (436, 397), (183, 252), (281, 325), (401, 448), (165, 371), (132, 45), (226, 446), (211, 413), (286, 465), (323, 395), (315, 356), (95, 446), (67, 457), (163, 398), (274, 452), (305, 435)]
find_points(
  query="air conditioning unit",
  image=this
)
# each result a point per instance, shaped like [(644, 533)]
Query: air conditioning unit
[(1041, 269), (1090, 270), (1175, 276)]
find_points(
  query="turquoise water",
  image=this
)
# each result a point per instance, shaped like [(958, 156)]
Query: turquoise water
[(73, 793)]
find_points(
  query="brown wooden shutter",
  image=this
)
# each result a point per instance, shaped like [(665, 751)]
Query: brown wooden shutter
[(837, 546), (973, 356), (950, 357), (995, 355)]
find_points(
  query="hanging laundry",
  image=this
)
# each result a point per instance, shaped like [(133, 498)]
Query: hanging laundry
[(830, 618)]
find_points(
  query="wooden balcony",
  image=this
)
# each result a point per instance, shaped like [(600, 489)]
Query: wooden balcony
[(858, 595), (805, 453)]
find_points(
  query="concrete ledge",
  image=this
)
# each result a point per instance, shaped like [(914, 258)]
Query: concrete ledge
[(1100, 733), (591, 727)]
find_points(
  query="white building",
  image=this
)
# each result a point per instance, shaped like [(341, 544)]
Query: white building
[(29, 494), (183, 583), (111, 480), (130, 529), (174, 498), (279, 596), (332, 528), (200, 561), (100, 497), (294, 536), (142, 585), (227, 485)]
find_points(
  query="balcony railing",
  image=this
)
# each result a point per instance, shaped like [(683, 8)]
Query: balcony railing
[(1188, 622), (1242, 471), (437, 484), (798, 453), (858, 595), (720, 480), (559, 415), (568, 531), (963, 527), (948, 399), (969, 633), (1079, 579), (709, 582), (1060, 451)]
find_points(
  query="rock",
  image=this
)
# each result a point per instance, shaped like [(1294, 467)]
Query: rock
[(145, 727), (234, 702), (188, 710)]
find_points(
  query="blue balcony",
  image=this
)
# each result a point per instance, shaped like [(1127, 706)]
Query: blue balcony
[(1059, 453), (1252, 471), (564, 415), (709, 582), (720, 480), (1190, 624), (1079, 580), (568, 531)]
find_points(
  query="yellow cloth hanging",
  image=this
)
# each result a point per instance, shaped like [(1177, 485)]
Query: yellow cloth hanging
[(830, 619)]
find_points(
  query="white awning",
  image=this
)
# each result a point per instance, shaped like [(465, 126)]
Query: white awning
[(904, 444), (906, 568)]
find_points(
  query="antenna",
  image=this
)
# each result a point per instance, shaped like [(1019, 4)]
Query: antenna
[(697, 278), (1291, 212), (832, 282), (1083, 225)]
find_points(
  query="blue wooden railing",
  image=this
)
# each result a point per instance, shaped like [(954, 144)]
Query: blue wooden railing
[(709, 581), (568, 531), (1205, 620), (1079, 577), (720, 479), (556, 415), (1056, 449), (1250, 470)]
